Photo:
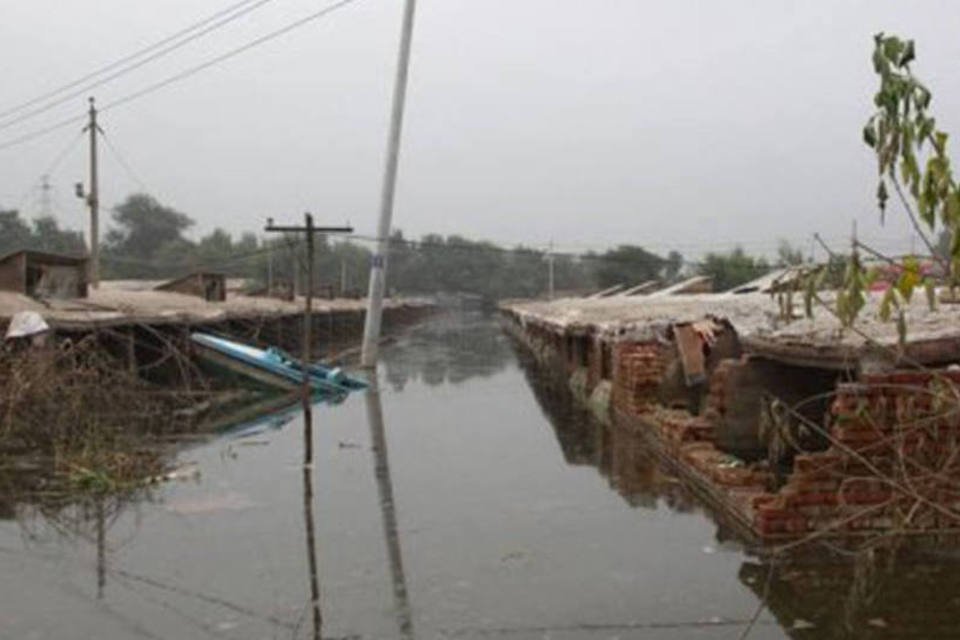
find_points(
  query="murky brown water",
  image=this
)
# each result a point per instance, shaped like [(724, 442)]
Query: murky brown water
[(479, 504)]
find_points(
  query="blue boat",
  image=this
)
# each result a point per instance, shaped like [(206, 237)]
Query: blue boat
[(273, 366)]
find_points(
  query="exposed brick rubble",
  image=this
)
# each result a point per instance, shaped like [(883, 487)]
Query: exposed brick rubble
[(894, 461), (637, 370), (890, 453)]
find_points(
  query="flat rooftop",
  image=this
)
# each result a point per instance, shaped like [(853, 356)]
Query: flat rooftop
[(116, 305), (932, 336)]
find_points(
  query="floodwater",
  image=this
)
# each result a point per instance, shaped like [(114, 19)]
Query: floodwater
[(467, 498)]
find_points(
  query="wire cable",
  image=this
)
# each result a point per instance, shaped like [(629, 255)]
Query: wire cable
[(27, 137), (181, 75), (136, 65), (123, 60), (122, 161), (57, 160), (186, 73)]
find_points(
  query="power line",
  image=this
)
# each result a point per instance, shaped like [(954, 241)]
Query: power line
[(229, 54), (122, 161), (42, 132), (291, 244), (182, 75), (140, 53), (54, 163), (127, 69), (484, 246)]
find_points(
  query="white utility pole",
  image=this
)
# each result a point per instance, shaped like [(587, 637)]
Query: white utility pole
[(378, 265)]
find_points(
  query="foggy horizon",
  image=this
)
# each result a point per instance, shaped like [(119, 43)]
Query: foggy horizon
[(692, 127)]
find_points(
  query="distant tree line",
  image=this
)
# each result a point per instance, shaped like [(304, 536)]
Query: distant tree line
[(43, 234), (147, 241)]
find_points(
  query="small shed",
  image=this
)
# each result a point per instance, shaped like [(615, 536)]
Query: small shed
[(212, 287), (44, 275)]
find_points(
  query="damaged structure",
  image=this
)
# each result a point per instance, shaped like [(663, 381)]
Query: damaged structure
[(47, 275), (148, 329), (787, 426)]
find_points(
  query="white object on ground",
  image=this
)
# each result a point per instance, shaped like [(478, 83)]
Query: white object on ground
[(26, 323)]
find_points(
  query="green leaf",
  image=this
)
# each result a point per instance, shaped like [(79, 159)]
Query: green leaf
[(940, 141), (909, 278), (870, 136), (908, 54), (892, 48), (951, 209), (882, 198), (886, 305), (902, 327), (955, 244)]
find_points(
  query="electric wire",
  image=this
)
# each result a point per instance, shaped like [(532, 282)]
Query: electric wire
[(54, 164), (184, 74), (27, 137), (86, 87), (124, 164)]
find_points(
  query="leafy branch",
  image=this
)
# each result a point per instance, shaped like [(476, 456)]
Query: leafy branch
[(911, 157)]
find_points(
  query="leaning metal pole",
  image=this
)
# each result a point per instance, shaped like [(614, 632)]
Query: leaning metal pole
[(378, 265)]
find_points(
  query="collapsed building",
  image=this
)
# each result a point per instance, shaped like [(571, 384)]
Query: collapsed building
[(787, 425)]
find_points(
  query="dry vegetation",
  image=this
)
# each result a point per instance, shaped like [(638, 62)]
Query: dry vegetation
[(75, 414)]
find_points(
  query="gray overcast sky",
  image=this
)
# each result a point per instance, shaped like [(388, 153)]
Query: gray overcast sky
[(687, 125)]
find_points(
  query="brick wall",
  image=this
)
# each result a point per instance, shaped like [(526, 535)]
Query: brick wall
[(894, 461), (637, 370)]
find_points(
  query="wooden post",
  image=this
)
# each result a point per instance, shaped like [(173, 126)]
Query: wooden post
[(312, 552), (307, 350), (93, 200)]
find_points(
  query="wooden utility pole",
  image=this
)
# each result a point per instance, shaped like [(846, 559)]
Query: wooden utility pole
[(306, 358), (93, 200), (550, 272), (269, 268), (378, 265)]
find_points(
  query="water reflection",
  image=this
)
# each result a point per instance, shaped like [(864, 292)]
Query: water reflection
[(873, 594), (617, 452), (309, 527), (448, 349), (391, 535), (818, 591), (507, 532)]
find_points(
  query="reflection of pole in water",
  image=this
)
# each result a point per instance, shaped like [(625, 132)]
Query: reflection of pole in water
[(101, 549), (311, 551), (378, 441)]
